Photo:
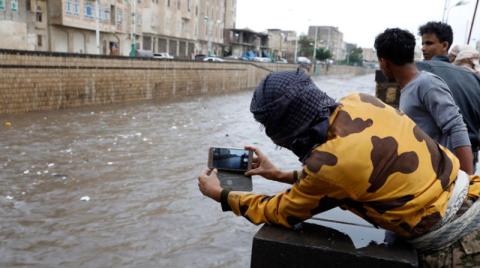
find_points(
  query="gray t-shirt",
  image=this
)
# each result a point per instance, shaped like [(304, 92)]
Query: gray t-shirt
[(427, 100)]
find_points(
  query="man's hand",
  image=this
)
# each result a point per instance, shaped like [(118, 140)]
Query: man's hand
[(209, 184), (262, 166)]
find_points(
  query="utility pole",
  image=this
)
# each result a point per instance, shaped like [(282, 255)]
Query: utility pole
[(133, 49), (296, 47), (315, 51), (97, 31), (473, 21)]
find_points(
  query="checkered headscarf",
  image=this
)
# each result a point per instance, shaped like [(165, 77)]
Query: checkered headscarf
[(287, 104)]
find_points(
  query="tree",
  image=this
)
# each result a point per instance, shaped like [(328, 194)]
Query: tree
[(305, 45), (355, 57), (323, 54)]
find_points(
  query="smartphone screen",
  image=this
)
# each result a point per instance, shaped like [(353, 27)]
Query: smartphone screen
[(230, 158)]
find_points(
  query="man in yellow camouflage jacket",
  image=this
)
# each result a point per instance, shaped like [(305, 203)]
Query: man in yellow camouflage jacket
[(361, 155)]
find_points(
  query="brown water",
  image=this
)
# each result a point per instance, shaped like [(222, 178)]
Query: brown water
[(137, 164)]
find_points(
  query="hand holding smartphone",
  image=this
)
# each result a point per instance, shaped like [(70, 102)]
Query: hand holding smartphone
[(231, 164)]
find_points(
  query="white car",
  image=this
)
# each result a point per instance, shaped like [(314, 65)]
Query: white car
[(211, 58), (303, 60), (162, 55)]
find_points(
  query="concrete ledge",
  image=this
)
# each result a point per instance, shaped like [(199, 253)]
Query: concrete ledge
[(318, 246)]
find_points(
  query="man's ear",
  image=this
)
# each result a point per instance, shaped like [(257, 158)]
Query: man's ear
[(445, 45)]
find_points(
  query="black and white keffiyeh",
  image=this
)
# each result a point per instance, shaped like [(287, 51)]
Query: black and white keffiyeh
[(293, 110)]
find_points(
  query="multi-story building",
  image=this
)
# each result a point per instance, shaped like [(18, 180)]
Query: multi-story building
[(328, 37), (23, 24), (247, 43), (181, 27), (369, 55), (282, 43)]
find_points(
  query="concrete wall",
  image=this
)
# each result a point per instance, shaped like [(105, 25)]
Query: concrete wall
[(343, 70), (41, 81)]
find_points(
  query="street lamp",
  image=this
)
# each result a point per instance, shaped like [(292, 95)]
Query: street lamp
[(459, 3), (209, 30)]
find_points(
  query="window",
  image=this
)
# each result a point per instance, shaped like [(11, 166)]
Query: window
[(2, 4), (14, 5), (68, 7), (119, 17), (112, 14), (76, 9), (39, 40), (89, 10), (38, 14)]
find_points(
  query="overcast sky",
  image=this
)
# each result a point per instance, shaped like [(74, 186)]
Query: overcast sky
[(360, 21)]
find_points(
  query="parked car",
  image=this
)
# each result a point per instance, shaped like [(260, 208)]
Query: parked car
[(162, 55), (303, 60), (282, 60), (213, 58), (262, 59), (200, 57), (144, 53), (232, 58)]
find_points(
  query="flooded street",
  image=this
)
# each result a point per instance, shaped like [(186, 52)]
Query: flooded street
[(116, 186)]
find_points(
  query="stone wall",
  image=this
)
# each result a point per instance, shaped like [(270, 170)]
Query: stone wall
[(33, 81)]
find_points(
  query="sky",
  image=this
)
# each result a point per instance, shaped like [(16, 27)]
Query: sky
[(359, 20)]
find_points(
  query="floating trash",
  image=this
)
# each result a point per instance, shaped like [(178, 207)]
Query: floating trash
[(51, 165), (8, 124), (145, 139), (9, 197), (174, 127), (110, 163), (139, 134), (92, 112), (26, 171), (85, 198), (39, 173)]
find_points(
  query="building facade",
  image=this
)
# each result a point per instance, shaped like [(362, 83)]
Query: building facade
[(23, 24), (181, 27), (328, 37), (283, 44)]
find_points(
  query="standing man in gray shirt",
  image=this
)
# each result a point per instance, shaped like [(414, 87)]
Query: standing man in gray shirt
[(437, 37), (424, 96)]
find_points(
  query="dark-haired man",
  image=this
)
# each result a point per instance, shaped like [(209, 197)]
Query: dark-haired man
[(437, 38), (424, 96)]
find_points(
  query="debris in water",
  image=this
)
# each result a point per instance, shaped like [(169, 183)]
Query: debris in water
[(8, 124), (85, 198), (26, 171), (9, 197), (51, 165), (174, 127), (110, 163)]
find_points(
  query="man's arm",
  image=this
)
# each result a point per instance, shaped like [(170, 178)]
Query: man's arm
[(439, 102), (465, 156), (306, 198)]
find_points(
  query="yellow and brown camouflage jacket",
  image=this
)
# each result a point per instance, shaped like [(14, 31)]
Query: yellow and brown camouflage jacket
[(376, 163)]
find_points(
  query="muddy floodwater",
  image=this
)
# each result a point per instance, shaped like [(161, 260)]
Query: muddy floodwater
[(115, 186)]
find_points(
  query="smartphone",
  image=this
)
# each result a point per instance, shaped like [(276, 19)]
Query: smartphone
[(232, 159)]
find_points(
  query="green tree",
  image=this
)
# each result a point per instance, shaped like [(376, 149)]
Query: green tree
[(305, 46), (323, 54), (355, 56)]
